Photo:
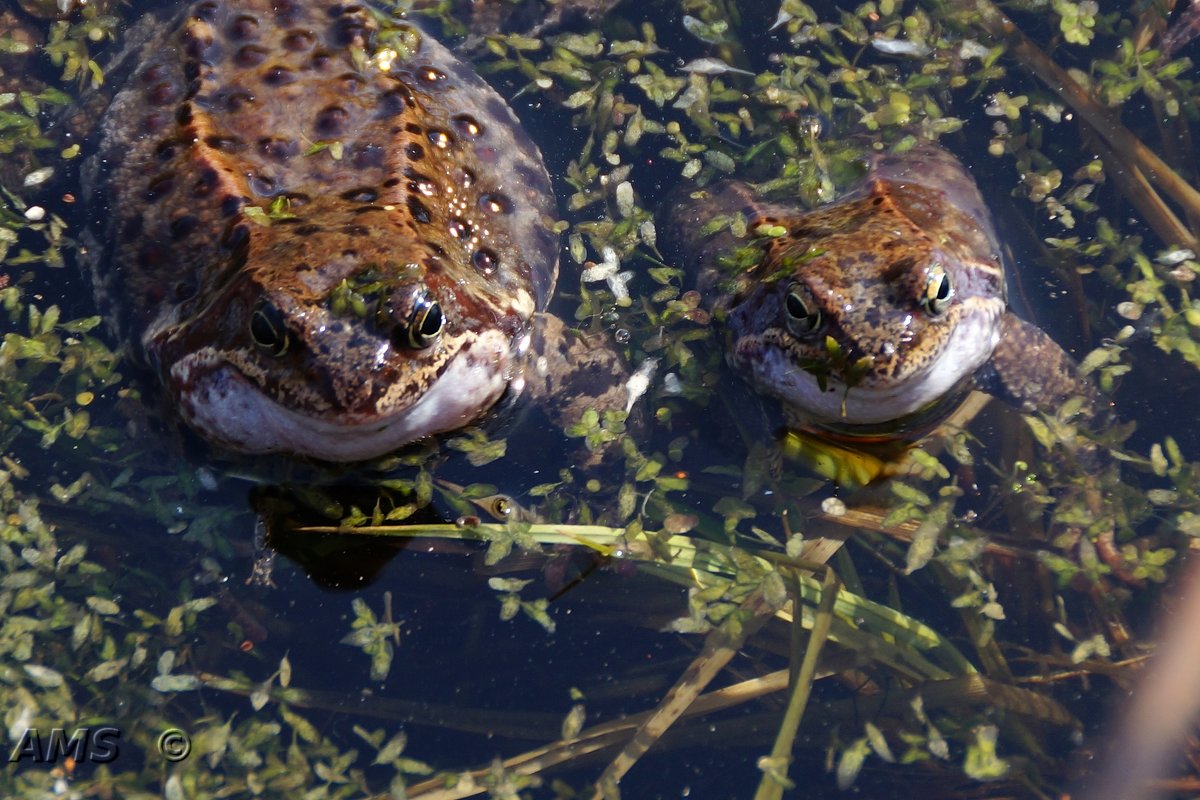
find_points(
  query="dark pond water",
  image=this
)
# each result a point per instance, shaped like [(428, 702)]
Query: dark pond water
[(313, 631)]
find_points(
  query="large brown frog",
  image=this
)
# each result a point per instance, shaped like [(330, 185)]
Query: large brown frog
[(326, 234), (873, 315)]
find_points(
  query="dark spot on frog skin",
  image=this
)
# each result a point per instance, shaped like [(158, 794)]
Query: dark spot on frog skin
[(419, 212), (443, 140), (162, 93), (331, 121), (183, 226), (368, 156), (250, 55), (159, 185), (299, 40), (348, 30), (232, 205), (467, 126), (263, 185), (495, 203), (205, 182), (485, 261), (278, 76), (244, 28), (206, 11), (153, 74), (197, 46), (464, 177), (350, 83), (432, 76), (396, 100), (422, 186), (898, 268), (238, 99), (363, 194), (285, 9), (278, 149), (229, 144), (320, 60), (236, 236)]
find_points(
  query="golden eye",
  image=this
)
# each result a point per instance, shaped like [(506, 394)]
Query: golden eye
[(269, 331), (803, 316), (426, 322), (938, 291), (501, 507)]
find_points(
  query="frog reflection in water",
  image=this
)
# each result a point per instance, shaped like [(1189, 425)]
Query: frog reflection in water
[(871, 317), (326, 234)]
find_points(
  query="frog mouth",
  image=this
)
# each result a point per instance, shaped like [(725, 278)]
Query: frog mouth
[(873, 400), (226, 407)]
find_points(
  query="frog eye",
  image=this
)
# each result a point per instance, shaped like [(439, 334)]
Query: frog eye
[(938, 291), (411, 317), (269, 331), (426, 322), (803, 316), (501, 507)]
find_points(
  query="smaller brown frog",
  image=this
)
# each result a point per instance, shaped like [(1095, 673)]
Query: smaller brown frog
[(874, 315)]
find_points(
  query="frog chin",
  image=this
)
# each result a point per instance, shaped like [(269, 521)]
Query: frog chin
[(874, 402), (226, 407)]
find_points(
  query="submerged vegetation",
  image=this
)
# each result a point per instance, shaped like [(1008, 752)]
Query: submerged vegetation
[(961, 613)]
